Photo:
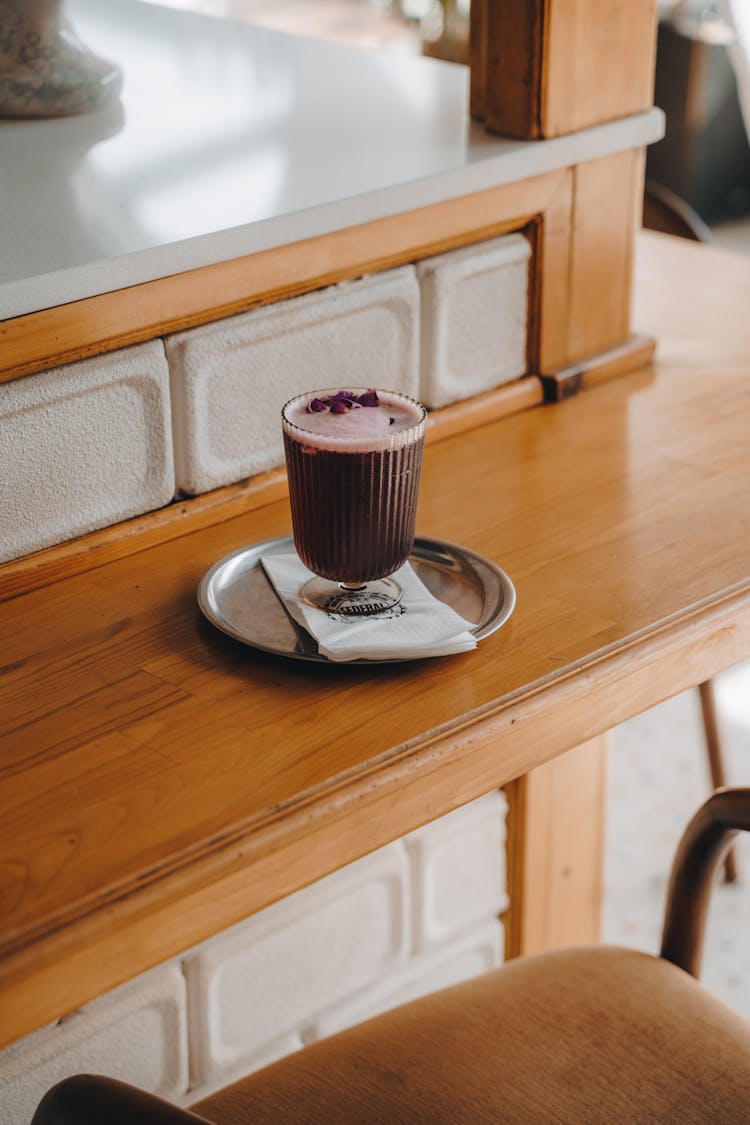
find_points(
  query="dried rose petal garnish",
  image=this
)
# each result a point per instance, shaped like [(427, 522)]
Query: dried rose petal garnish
[(369, 398), (342, 402)]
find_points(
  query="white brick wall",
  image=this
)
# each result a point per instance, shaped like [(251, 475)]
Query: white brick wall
[(458, 871), (273, 973), (230, 379), (397, 924), (475, 952), (350, 946), (137, 1033), (82, 447), (90, 444), (474, 308)]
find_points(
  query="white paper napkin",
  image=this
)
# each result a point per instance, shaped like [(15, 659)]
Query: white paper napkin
[(419, 626)]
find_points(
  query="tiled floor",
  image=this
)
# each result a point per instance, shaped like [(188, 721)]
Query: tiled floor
[(658, 777)]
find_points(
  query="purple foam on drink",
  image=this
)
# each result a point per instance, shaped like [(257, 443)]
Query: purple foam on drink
[(354, 420)]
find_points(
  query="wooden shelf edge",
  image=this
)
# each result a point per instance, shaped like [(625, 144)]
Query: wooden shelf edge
[(190, 514)]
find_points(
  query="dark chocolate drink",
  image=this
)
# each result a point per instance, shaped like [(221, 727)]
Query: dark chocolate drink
[(353, 460)]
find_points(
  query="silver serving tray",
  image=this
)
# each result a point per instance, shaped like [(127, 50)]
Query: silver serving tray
[(237, 597)]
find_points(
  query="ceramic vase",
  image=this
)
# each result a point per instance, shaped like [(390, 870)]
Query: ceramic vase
[(45, 70)]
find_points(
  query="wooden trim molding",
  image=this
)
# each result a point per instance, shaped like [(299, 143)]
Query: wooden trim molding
[(102, 323), (607, 200), (550, 293), (580, 221), (581, 286)]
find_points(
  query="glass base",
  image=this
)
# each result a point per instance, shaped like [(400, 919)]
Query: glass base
[(347, 600)]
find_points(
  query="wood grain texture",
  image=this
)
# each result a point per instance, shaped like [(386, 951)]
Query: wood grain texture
[(608, 195), (159, 781), (556, 851), (580, 296), (509, 53), (478, 15), (599, 62), (97, 324), (542, 68), (550, 293)]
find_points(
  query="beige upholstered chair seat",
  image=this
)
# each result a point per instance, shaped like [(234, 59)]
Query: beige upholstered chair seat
[(584, 1035)]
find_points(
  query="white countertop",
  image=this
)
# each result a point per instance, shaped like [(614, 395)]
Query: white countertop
[(229, 139)]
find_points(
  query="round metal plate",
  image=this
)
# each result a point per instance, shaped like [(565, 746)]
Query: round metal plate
[(237, 597)]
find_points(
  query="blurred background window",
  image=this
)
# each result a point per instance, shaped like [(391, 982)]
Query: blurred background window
[(704, 157)]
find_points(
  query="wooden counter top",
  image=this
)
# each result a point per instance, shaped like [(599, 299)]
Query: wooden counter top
[(160, 781)]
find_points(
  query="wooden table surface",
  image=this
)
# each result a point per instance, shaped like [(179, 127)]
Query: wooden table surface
[(159, 781)]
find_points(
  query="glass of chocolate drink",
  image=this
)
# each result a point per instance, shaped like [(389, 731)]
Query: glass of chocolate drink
[(353, 459)]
